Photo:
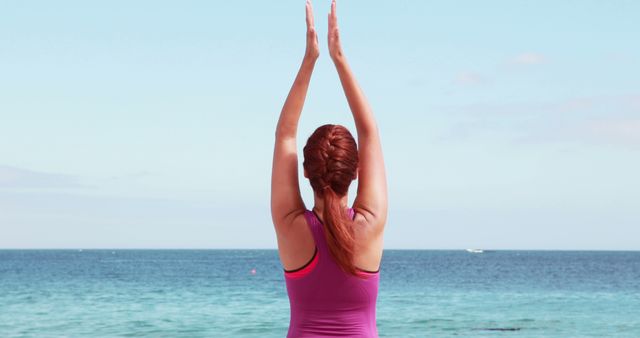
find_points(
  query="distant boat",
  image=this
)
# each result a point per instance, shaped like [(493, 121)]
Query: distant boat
[(475, 250)]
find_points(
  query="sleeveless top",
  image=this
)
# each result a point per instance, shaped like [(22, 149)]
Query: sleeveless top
[(326, 301)]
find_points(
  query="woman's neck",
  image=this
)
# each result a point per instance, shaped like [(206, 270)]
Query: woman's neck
[(318, 202)]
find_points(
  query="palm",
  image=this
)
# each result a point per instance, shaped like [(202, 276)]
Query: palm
[(335, 49), (313, 50)]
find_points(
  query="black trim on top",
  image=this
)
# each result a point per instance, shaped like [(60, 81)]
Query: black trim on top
[(304, 266), (318, 217)]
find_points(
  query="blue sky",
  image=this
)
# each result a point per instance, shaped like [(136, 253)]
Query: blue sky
[(149, 124)]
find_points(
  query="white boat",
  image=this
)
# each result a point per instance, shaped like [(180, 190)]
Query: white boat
[(475, 250)]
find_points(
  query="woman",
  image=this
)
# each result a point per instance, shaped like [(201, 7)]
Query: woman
[(331, 254)]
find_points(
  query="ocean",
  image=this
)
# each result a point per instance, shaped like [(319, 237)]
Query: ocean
[(241, 293)]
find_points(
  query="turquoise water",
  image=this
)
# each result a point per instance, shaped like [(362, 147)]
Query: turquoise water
[(212, 293)]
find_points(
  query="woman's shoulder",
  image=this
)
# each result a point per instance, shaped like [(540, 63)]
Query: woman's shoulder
[(366, 224), (292, 223)]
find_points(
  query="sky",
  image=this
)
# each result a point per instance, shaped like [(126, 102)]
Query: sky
[(150, 124)]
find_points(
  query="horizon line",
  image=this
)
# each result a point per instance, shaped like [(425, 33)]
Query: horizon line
[(275, 249)]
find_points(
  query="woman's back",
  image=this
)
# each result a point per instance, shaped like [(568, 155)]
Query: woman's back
[(326, 301)]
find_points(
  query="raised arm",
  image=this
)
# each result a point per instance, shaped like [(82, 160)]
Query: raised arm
[(371, 200), (286, 201)]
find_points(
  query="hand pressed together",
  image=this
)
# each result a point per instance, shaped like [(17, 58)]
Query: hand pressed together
[(335, 49), (313, 50)]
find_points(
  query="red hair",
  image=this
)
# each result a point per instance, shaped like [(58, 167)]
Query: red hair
[(331, 163)]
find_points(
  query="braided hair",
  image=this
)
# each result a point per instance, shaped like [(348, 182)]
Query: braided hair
[(331, 163)]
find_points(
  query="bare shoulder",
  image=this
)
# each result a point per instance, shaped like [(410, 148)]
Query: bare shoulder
[(369, 223), (295, 242), (369, 242), (287, 225)]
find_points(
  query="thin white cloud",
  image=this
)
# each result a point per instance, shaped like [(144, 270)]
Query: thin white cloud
[(580, 107), (469, 79), (625, 131), (80, 220), (131, 176), (528, 59), (634, 102), (611, 120), (619, 57), (575, 104), (13, 177)]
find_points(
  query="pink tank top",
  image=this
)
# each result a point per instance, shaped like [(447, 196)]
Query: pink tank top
[(326, 301)]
